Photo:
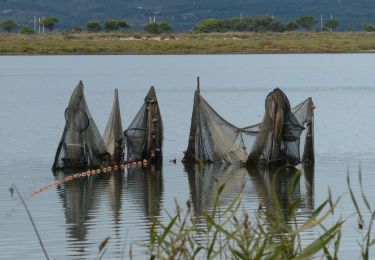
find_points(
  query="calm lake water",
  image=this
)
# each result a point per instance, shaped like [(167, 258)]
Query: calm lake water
[(74, 218)]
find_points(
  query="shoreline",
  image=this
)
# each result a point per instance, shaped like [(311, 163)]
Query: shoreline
[(233, 43), (178, 54)]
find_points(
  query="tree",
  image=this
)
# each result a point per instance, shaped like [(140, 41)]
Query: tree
[(111, 25), (26, 29), (158, 28), (306, 22), (368, 27), (292, 26), (93, 26), (331, 24), (209, 25), (165, 27), (266, 23), (8, 25), (242, 24), (49, 22)]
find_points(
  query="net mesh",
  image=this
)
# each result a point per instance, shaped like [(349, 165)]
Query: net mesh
[(278, 139), (81, 144), (144, 136), (113, 135), (275, 140), (213, 139)]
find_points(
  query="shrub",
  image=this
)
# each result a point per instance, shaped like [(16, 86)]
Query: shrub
[(27, 29), (93, 26), (292, 26), (49, 22), (157, 28), (8, 25), (111, 25), (368, 27)]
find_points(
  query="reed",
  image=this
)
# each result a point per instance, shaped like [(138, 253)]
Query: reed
[(227, 234)]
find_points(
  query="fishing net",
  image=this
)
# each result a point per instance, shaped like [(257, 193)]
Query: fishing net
[(113, 135), (304, 113), (144, 136), (81, 144), (275, 140), (278, 139), (213, 139)]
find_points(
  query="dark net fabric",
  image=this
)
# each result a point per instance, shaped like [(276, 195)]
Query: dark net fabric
[(213, 139), (304, 113), (81, 144), (278, 139), (144, 136), (275, 140), (113, 135)]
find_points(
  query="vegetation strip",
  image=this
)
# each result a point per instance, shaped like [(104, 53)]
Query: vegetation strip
[(187, 43)]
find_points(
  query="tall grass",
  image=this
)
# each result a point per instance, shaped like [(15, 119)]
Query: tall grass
[(229, 232)]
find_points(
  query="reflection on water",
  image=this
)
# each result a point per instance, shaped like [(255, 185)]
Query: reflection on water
[(81, 199), (205, 181), (150, 182), (270, 184), (277, 183)]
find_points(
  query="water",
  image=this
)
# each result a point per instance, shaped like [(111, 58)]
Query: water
[(74, 218)]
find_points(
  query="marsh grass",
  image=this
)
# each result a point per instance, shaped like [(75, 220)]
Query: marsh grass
[(229, 233), (187, 43)]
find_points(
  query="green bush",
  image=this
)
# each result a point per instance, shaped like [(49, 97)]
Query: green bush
[(331, 24), (27, 29), (8, 25), (157, 28), (111, 25), (210, 25), (292, 26), (368, 27), (306, 22), (49, 22), (93, 26), (247, 24)]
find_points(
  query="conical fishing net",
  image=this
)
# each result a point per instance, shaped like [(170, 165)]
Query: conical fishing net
[(113, 135), (278, 140), (81, 144), (213, 139), (144, 136)]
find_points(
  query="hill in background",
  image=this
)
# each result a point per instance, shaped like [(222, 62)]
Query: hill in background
[(184, 14)]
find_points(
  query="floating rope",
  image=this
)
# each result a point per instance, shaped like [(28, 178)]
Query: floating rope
[(88, 173)]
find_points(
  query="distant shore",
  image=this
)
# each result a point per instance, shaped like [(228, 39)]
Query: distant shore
[(186, 43)]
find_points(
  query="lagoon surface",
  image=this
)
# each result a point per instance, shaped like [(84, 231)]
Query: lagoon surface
[(75, 217)]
